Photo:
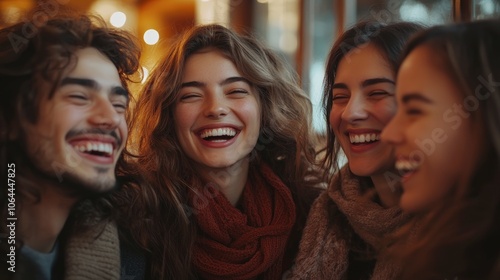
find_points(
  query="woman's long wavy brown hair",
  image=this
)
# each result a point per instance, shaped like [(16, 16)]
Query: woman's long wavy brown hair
[(162, 171), (460, 238)]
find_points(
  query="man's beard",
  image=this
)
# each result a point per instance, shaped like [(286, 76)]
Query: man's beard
[(67, 182), (65, 176), (77, 186)]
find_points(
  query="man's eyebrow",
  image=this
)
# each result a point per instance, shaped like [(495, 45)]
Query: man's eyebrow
[(88, 83), (118, 90), (375, 81), (93, 85), (415, 96)]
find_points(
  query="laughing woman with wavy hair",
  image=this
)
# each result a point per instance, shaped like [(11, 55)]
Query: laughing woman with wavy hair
[(225, 160)]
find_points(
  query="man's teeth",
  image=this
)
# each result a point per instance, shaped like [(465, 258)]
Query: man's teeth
[(363, 138), (407, 165), (226, 131), (106, 148)]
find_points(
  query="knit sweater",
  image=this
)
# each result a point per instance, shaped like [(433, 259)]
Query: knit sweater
[(94, 254), (344, 232)]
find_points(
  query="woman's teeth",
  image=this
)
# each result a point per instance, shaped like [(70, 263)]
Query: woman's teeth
[(221, 134), (364, 138)]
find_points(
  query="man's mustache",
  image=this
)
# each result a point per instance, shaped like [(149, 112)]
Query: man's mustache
[(96, 131)]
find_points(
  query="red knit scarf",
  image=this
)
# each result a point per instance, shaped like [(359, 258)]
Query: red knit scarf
[(250, 243)]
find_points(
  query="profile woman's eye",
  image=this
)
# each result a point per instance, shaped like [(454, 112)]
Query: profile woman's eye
[(413, 111), (78, 96)]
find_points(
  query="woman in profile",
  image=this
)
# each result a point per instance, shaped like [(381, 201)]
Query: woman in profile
[(447, 139)]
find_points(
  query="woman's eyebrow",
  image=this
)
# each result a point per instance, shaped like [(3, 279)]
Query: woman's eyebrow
[(415, 96), (374, 81)]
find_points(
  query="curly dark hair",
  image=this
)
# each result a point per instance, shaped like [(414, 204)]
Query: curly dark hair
[(42, 55)]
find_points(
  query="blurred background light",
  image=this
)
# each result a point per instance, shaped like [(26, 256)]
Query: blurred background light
[(151, 36), (118, 19)]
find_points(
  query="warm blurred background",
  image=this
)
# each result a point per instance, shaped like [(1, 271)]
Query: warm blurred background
[(302, 31)]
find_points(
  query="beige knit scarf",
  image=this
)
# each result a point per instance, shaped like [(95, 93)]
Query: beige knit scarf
[(323, 252), (93, 254)]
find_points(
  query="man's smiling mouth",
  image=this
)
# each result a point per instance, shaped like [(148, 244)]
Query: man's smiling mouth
[(94, 148)]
